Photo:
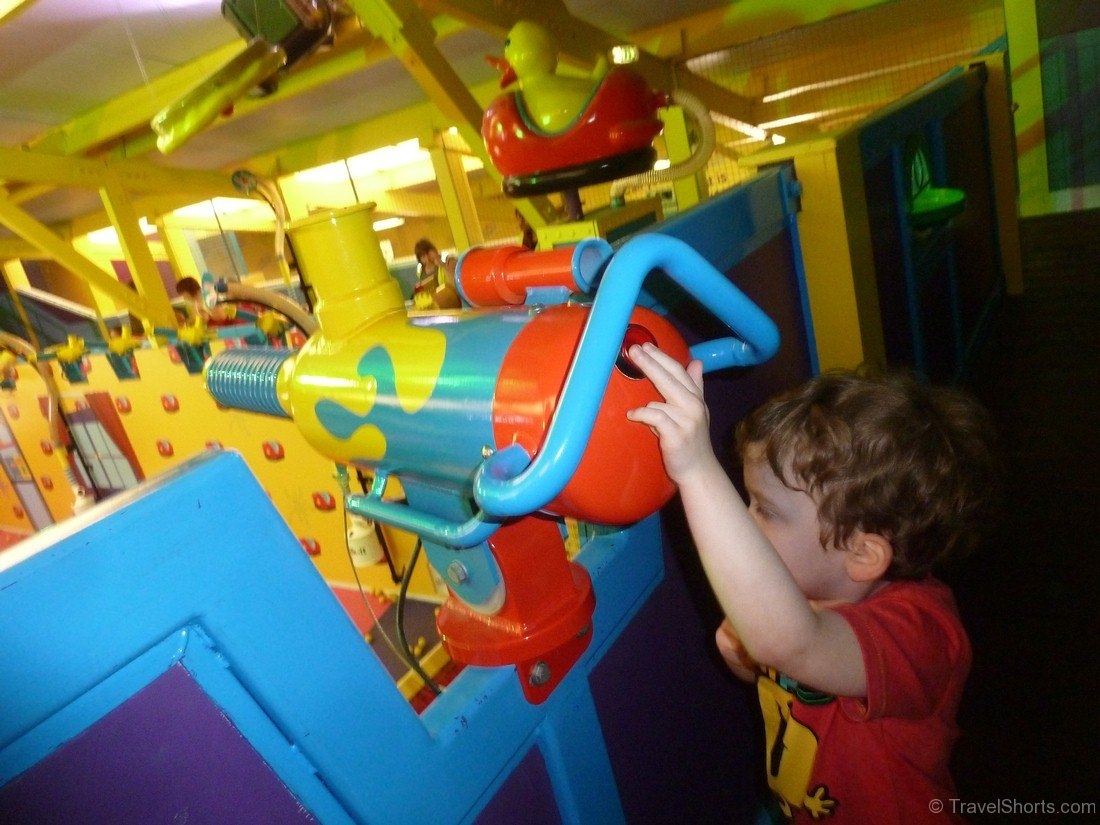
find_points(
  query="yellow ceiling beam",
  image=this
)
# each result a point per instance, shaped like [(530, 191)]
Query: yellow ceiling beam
[(412, 40), (132, 110), (60, 250), (151, 206), (135, 249), (10, 8), (30, 166), (16, 248), (737, 23)]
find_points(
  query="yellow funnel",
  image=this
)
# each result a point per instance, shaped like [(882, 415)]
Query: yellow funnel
[(339, 255)]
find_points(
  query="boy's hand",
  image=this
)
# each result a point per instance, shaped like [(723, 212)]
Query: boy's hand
[(681, 421)]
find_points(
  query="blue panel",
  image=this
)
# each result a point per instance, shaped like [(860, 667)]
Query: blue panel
[(99, 607), (727, 228)]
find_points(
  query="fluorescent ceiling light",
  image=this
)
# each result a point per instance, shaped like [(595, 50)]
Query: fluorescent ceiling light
[(803, 118), (740, 126), (107, 236), (330, 173), (386, 159), (388, 223), (10, 7), (216, 206), (400, 154), (855, 78), (621, 55)]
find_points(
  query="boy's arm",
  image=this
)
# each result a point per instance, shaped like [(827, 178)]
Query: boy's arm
[(776, 623)]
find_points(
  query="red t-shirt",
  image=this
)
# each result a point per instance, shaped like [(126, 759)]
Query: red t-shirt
[(883, 758)]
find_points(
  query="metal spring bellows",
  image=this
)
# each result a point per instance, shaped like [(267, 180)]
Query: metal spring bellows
[(246, 379)]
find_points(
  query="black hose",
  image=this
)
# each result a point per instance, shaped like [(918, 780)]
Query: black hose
[(410, 657)]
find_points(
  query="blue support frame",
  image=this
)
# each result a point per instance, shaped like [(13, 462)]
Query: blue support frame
[(101, 605)]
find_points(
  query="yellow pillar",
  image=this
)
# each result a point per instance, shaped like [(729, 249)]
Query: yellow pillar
[(688, 191), (835, 236), (1027, 93), (458, 199), (135, 249)]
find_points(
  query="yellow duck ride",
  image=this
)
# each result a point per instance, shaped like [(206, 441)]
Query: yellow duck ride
[(555, 132)]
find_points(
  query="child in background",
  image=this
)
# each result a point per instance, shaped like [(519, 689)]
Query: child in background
[(528, 238), (190, 290), (857, 487), (435, 279)]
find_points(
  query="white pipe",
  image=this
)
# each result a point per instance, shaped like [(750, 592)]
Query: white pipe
[(698, 112), (249, 183), (280, 303)]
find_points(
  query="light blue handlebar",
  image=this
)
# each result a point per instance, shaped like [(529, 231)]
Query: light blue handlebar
[(461, 535), (502, 491)]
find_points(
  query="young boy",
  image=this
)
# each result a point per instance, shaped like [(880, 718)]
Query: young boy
[(857, 486)]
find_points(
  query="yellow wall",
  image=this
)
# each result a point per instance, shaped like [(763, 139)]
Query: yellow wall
[(291, 481), (22, 409)]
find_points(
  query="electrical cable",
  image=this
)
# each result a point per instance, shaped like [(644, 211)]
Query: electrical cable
[(366, 601), (404, 652), (386, 554), (413, 662)]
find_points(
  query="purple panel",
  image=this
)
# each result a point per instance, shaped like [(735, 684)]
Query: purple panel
[(167, 276), (526, 796), (122, 272), (683, 736), (167, 754)]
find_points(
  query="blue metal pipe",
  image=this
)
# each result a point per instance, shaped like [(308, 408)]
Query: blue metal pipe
[(501, 491)]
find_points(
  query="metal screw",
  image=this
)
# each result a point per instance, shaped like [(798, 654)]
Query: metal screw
[(539, 674), (457, 572)]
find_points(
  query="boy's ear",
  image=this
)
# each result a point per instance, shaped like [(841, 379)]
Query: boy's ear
[(868, 556)]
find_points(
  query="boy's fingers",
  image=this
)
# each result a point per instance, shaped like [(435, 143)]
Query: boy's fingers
[(652, 415), (663, 370)]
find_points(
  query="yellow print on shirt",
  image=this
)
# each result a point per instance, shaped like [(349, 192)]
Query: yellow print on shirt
[(791, 749)]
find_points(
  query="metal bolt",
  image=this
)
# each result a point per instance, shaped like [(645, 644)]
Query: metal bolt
[(457, 572), (539, 674)]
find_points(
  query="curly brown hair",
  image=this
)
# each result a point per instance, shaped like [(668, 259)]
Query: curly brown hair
[(884, 454)]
